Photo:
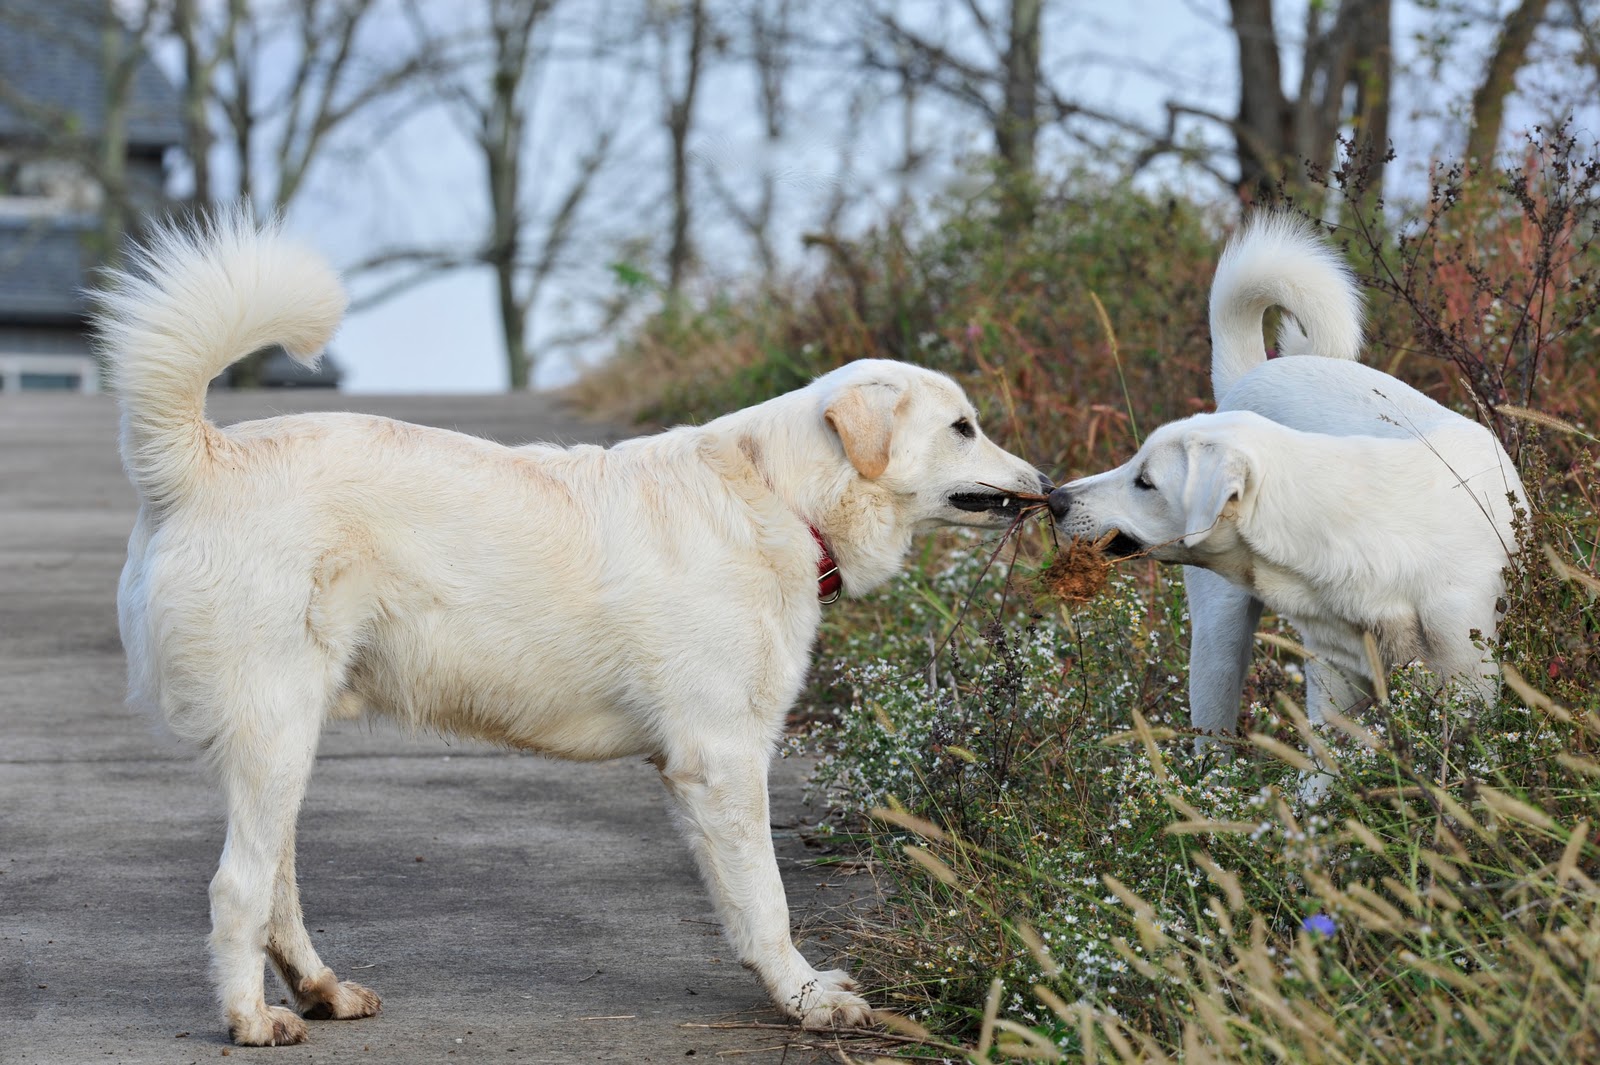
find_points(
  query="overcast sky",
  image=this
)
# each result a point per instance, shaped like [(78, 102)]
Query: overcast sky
[(419, 181)]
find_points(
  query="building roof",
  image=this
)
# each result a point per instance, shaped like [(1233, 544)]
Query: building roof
[(50, 71), (44, 267)]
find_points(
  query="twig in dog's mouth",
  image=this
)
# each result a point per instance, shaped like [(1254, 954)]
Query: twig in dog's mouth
[(1035, 504), (1011, 493)]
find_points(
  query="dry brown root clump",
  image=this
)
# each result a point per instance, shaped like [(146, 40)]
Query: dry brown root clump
[(1079, 572)]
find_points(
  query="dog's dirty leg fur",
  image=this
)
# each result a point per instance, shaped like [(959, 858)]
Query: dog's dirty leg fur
[(264, 764), (319, 994), (723, 809)]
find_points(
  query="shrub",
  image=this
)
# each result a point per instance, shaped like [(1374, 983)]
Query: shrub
[(1009, 314)]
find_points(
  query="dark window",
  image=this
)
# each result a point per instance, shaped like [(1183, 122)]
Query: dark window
[(50, 382)]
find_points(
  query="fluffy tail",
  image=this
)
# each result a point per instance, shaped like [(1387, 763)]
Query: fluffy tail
[(190, 302), (1277, 260)]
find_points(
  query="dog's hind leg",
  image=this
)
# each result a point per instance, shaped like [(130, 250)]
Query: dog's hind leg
[(1223, 617), (722, 797), (319, 994), (264, 760), (1328, 688)]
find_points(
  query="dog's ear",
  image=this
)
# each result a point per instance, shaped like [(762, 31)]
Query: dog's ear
[(863, 416), (1219, 475)]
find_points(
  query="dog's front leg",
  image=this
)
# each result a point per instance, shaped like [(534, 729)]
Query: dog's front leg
[(722, 799), (1222, 617)]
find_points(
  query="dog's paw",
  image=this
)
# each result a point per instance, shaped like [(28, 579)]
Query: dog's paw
[(338, 1001), (825, 1001), (274, 1026)]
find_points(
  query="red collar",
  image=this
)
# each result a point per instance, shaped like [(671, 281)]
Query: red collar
[(829, 581)]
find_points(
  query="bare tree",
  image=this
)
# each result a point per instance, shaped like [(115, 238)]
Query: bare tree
[(769, 48), (1499, 78), (1586, 24), (678, 90), (277, 136), (1016, 129), (1004, 87), (199, 68), (1276, 135), (275, 119), (1372, 72), (489, 76), (767, 45)]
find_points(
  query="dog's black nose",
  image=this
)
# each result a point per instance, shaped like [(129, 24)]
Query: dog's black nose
[(1060, 500), (1045, 483)]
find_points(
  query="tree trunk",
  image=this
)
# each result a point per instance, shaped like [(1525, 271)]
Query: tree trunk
[(1373, 73), (1280, 139), (1319, 107), (1488, 103), (239, 45), (1262, 130), (1017, 131), (910, 155), (513, 325), (680, 115), (504, 123), (122, 50), (196, 94), (769, 32)]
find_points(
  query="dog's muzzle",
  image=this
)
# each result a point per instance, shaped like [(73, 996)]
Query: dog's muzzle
[(1120, 546)]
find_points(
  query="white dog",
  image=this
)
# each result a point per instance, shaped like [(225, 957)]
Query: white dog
[(1339, 497), (656, 599)]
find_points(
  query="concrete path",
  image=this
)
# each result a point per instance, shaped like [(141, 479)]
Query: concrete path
[(507, 908)]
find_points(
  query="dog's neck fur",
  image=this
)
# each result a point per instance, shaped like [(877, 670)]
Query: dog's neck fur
[(798, 458)]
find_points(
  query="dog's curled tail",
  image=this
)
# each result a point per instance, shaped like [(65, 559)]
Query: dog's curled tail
[(1277, 260), (189, 302)]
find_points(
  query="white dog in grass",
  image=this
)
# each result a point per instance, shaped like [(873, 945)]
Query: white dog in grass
[(1342, 499), (658, 599)]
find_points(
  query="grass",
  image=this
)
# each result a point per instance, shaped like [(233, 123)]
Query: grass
[(1066, 877), (1048, 825)]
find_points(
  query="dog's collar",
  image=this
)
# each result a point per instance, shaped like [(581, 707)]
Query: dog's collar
[(829, 581)]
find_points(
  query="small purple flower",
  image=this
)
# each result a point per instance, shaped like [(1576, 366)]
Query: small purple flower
[(1320, 924), (974, 331)]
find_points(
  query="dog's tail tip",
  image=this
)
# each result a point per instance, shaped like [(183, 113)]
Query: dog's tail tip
[(1278, 259), (189, 301)]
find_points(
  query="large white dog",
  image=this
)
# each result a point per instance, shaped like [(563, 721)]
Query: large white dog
[(1346, 501), (656, 599)]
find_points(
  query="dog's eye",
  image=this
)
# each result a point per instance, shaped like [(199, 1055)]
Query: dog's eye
[(964, 427), (1142, 482)]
